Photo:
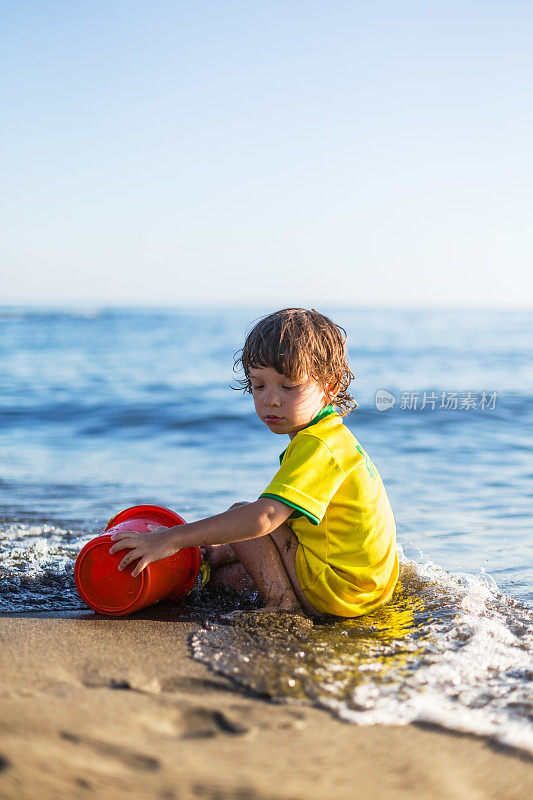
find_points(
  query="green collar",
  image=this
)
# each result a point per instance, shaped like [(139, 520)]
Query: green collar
[(329, 409), (326, 411)]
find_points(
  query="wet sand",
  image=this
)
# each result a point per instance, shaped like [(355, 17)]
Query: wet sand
[(96, 707)]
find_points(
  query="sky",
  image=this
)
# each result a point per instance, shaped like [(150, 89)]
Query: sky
[(292, 153)]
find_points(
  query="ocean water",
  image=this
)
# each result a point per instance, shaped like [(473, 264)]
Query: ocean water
[(101, 409)]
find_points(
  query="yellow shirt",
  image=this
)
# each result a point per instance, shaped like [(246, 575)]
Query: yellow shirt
[(346, 561)]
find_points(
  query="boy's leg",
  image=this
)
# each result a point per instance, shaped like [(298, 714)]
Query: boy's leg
[(261, 559), (274, 570), (226, 570), (233, 576), (268, 563), (287, 545), (219, 555)]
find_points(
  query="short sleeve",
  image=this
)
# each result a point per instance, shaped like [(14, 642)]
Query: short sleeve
[(308, 477)]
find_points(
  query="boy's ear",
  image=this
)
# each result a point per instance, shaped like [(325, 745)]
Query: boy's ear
[(332, 388)]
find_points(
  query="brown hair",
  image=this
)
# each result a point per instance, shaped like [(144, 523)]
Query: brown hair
[(298, 342)]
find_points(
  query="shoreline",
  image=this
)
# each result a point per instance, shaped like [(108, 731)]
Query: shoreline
[(117, 707)]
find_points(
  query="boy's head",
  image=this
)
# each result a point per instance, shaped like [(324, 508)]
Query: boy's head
[(300, 343)]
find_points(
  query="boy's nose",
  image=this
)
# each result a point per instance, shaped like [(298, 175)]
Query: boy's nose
[(272, 399)]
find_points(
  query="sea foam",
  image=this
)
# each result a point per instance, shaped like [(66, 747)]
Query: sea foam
[(449, 649)]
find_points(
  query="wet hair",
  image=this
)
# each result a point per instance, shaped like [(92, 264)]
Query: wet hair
[(297, 342)]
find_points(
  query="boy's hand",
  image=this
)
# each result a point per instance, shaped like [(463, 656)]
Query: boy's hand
[(147, 547)]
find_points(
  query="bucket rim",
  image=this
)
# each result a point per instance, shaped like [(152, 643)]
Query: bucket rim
[(164, 515)]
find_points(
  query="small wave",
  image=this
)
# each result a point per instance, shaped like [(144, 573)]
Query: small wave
[(125, 419), (449, 649), (37, 568)]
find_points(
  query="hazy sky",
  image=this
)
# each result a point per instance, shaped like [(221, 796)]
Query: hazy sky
[(296, 153)]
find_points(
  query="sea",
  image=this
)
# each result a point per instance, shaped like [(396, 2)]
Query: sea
[(105, 408)]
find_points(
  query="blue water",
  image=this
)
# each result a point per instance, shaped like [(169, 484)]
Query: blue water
[(106, 408)]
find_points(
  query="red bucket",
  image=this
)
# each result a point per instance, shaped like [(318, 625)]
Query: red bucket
[(107, 591)]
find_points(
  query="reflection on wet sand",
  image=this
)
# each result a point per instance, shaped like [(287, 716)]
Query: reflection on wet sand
[(446, 649)]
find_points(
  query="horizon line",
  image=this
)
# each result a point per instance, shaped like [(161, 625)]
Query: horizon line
[(209, 304)]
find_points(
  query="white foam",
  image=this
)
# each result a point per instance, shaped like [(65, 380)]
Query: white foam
[(476, 676), (36, 567)]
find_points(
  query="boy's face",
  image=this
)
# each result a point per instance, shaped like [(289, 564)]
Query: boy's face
[(284, 405)]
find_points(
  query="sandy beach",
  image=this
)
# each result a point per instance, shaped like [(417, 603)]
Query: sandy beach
[(118, 708)]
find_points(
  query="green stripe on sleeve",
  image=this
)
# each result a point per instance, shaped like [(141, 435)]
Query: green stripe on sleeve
[(301, 511)]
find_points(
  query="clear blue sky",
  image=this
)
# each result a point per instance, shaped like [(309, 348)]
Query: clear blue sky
[(282, 152)]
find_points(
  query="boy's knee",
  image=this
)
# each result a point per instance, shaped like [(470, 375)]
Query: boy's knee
[(236, 505), (284, 538)]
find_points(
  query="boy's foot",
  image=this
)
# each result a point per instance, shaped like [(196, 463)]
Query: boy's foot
[(286, 602), (298, 612), (277, 609)]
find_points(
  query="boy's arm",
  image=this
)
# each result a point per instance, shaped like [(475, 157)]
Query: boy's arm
[(248, 521)]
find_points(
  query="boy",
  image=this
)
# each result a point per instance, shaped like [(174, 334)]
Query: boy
[(322, 536)]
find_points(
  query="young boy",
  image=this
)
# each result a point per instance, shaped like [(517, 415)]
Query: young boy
[(322, 535)]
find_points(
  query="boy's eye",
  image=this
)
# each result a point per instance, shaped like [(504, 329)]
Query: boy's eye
[(256, 386)]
